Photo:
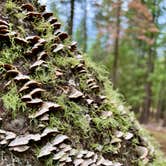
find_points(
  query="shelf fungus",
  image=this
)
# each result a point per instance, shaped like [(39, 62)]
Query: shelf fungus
[(42, 56), (46, 150), (52, 20), (33, 15), (45, 108), (24, 139), (34, 102), (128, 136), (47, 15), (37, 64), (47, 131), (29, 85), (20, 149), (58, 48), (56, 25), (32, 39), (20, 41), (22, 78), (75, 94), (60, 139), (2, 22), (12, 73), (27, 7), (62, 36), (73, 46)]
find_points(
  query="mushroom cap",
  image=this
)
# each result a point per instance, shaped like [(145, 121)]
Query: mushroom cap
[(27, 7), (2, 22), (47, 15)]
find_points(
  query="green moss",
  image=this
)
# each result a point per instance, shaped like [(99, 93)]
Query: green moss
[(12, 102), (10, 55), (10, 6)]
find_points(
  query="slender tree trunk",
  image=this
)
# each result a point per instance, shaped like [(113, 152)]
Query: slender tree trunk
[(85, 26), (116, 45), (71, 19), (148, 85)]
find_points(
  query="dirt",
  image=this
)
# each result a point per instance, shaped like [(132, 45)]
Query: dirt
[(159, 133)]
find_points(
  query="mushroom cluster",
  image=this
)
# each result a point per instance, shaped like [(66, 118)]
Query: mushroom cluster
[(53, 142)]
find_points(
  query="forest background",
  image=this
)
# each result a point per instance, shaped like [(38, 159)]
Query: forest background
[(127, 40)]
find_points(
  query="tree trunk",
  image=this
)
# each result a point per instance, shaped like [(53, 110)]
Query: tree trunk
[(85, 27), (71, 19), (116, 45)]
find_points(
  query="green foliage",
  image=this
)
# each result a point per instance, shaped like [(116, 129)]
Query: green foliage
[(12, 102), (9, 55), (10, 6)]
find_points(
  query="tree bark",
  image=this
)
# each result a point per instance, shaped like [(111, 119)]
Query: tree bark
[(71, 19), (85, 26), (116, 44)]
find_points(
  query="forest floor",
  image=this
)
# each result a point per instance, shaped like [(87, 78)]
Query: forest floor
[(159, 133)]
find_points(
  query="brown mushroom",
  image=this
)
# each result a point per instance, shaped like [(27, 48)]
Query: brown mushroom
[(2, 22), (33, 39), (56, 25), (13, 73), (34, 102), (47, 15), (52, 20), (58, 48), (63, 36), (27, 7), (42, 55), (32, 15), (20, 41), (22, 78)]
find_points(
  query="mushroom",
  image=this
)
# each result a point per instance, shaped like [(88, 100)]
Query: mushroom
[(77, 162), (33, 39), (56, 25), (12, 73), (32, 15), (9, 67), (75, 94), (63, 36), (52, 20), (3, 27), (42, 8), (2, 22), (73, 46), (46, 107), (36, 92), (59, 139), (4, 31), (24, 139), (30, 84), (58, 48), (36, 64), (46, 150), (27, 7), (34, 102), (47, 15), (42, 55), (58, 155), (20, 149), (48, 131), (20, 41), (22, 78), (128, 136)]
